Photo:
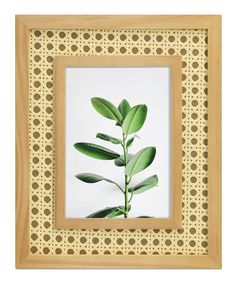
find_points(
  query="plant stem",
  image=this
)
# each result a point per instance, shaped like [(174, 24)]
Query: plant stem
[(126, 177), (119, 187)]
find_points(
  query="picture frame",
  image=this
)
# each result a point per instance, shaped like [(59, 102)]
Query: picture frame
[(60, 66), (31, 253)]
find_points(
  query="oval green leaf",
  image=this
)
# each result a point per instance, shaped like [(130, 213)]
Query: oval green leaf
[(135, 119), (91, 178), (106, 108), (96, 151), (130, 142), (124, 108), (108, 138), (109, 212), (120, 160), (144, 185), (140, 161)]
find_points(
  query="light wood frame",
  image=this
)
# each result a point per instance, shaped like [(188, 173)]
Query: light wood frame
[(175, 64), (23, 26)]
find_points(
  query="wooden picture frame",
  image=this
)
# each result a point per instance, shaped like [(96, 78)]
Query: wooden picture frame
[(28, 256), (174, 63)]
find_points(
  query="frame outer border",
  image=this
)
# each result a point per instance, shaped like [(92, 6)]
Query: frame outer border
[(24, 23)]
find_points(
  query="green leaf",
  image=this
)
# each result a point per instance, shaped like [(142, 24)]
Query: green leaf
[(144, 216), (108, 138), (134, 119), (109, 212), (92, 178), (120, 160), (144, 185), (124, 108), (130, 142), (140, 161), (106, 108), (96, 151), (119, 124)]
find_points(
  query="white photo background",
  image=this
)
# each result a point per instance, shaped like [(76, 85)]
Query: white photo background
[(138, 85)]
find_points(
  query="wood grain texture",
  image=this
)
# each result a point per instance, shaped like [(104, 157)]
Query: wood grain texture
[(120, 261), (23, 25), (214, 141), (174, 62), (22, 143), (118, 21)]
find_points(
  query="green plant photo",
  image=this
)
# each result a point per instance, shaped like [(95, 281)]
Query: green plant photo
[(130, 120)]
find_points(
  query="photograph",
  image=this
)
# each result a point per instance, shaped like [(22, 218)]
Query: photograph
[(118, 133)]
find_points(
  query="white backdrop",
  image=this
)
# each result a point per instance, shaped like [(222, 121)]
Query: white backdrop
[(7, 163), (150, 86)]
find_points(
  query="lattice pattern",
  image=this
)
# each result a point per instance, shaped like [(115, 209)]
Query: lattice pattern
[(192, 46)]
